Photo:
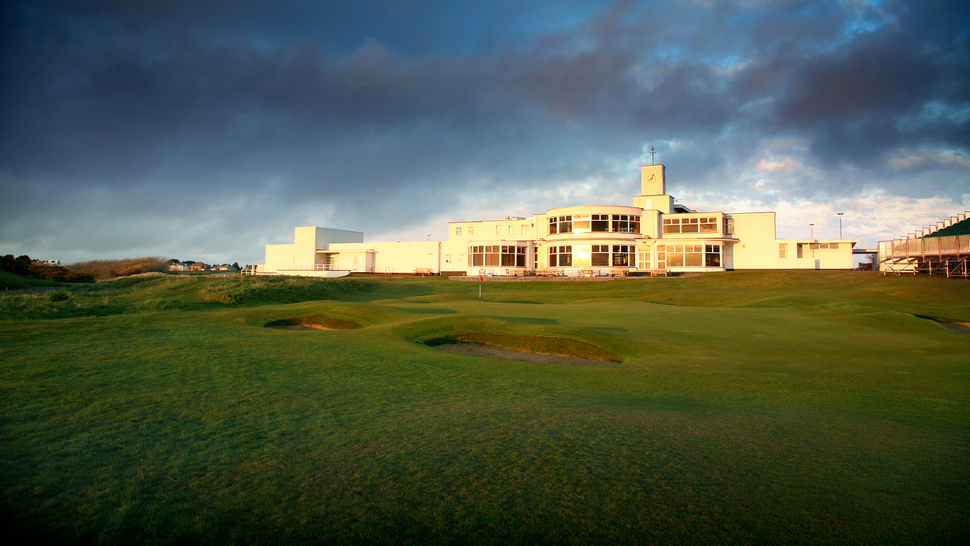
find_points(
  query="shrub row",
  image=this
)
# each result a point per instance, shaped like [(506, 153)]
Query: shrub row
[(25, 267)]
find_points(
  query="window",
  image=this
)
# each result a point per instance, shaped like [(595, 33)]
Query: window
[(513, 256), (553, 225), (483, 255), (498, 230), (447, 258), (458, 231), (684, 255), (801, 250), (525, 229), (492, 255), (565, 224), (471, 231), (495, 255), (661, 257), (581, 223), (712, 255), (623, 257), (782, 250), (623, 223), (617, 223), (824, 246), (560, 256), (476, 256), (600, 255), (729, 226), (461, 258), (690, 225), (601, 222), (513, 230)]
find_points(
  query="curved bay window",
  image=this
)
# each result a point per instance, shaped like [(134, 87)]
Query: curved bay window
[(601, 222), (560, 224), (600, 255), (613, 255), (560, 256), (624, 256), (595, 223), (626, 223)]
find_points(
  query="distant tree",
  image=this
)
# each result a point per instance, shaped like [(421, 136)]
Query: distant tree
[(235, 264), (18, 266), (35, 269)]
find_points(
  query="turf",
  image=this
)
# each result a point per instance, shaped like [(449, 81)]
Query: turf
[(755, 407)]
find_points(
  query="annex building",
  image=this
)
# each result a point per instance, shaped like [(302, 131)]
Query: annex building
[(654, 234)]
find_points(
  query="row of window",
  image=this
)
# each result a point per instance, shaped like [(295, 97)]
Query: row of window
[(783, 248), (500, 229), (682, 256), (594, 223), (690, 225), (592, 255), (601, 256), (496, 255)]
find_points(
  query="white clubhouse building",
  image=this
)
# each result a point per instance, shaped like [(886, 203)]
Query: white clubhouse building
[(653, 235)]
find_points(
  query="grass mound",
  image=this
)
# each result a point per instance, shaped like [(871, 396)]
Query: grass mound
[(255, 290), (103, 270), (314, 322), (548, 345)]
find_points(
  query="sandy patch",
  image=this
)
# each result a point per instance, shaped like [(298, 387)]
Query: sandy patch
[(958, 327), (491, 351), (300, 327)]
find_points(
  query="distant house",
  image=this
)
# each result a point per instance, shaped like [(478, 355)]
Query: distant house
[(175, 265), (199, 266)]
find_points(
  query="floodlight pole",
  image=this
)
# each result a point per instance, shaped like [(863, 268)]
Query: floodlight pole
[(840, 223), (812, 227)]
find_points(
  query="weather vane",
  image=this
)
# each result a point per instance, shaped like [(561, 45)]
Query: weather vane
[(652, 153)]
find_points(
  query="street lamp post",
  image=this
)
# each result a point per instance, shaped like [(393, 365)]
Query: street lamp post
[(812, 227), (840, 223)]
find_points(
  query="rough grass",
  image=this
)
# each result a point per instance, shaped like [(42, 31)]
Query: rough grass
[(103, 270), (752, 408)]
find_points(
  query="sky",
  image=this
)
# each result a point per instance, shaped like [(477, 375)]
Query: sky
[(204, 130)]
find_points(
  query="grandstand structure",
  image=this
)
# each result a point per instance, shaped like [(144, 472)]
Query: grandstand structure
[(941, 249)]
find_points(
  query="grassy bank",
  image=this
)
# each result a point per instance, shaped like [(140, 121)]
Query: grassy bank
[(769, 407)]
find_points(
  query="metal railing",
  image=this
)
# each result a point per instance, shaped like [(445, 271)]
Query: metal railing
[(948, 255), (953, 245)]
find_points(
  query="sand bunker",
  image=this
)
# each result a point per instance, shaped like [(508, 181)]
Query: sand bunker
[(313, 322), (300, 327), (958, 327), (491, 351)]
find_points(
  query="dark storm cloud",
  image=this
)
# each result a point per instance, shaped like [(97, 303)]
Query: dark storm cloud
[(386, 113)]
